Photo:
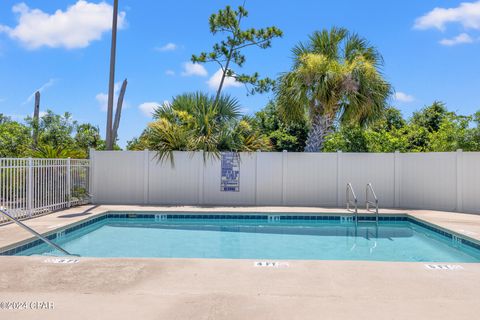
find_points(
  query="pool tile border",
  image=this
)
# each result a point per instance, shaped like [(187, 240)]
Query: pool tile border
[(245, 216)]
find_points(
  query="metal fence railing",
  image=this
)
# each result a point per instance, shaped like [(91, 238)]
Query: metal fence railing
[(30, 187)]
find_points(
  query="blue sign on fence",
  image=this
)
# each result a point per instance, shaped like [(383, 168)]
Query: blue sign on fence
[(230, 178)]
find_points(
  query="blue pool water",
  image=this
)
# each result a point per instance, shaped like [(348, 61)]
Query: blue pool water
[(261, 239)]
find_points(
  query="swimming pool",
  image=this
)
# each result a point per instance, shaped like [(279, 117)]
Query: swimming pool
[(257, 236)]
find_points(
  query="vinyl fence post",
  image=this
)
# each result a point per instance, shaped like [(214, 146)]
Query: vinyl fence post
[(201, 177), (30, 179), (146, 165), (396, 179), (256, 176), (284, 177), (340, 190), (459, 160), (91, 176), (69, 189)]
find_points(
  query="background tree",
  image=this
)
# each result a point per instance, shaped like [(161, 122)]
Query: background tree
[(431, 116), (137, 143), (60, 135), (431, 129), (335, 77), (229, 50), (454, 132), (4, 118), (15, 138), (55, 130), (88, 136), (290, 136)]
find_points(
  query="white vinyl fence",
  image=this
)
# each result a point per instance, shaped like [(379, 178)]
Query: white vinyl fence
[(29, 187), (438, 181)]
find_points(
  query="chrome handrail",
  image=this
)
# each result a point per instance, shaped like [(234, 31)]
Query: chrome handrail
[(369, 190), (36, 234), (354, 202)]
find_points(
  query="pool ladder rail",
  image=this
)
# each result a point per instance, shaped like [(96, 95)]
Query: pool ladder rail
[(36, 234), (352, 200), (369, 191)]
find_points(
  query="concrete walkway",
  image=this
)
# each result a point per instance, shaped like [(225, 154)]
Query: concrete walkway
[(236, 289), (97, 288)]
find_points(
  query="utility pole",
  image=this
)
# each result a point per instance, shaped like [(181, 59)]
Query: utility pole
[(36, 115), (118, 111), (111, 84)]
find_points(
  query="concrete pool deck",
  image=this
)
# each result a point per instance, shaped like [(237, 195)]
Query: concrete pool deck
[(106, 288)]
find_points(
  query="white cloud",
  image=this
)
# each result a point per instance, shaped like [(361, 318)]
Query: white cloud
[(21, 117), (42, 88), (76, 27), (170, 72), (102, 97), (215, 79), (40, 114), (147, 108), (460, 39), (467, 14), (403, 97), (168, 47), (194, 69)]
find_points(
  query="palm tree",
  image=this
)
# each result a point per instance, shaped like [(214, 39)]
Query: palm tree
[(195, 122), (335, 77), (226, 110)]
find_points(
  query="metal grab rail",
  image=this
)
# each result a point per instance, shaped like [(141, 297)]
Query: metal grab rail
[(369, 190), (36, 234), (354, 202)]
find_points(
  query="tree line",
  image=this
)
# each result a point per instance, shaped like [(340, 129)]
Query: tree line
[(333, 98), (57, 136), (432, 128)]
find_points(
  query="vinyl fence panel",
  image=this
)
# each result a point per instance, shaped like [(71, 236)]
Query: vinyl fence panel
[(440, 181), (176, 183), (269, 178), (311, 179), (469, 183), (375, 168), (118, 177), (428, 180)]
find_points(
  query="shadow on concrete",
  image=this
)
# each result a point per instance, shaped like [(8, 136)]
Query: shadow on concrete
[(83, 213)]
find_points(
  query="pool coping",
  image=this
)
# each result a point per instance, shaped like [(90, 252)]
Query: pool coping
[(28, 242)]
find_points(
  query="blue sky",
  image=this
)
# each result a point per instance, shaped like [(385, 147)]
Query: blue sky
[(61, 47)]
